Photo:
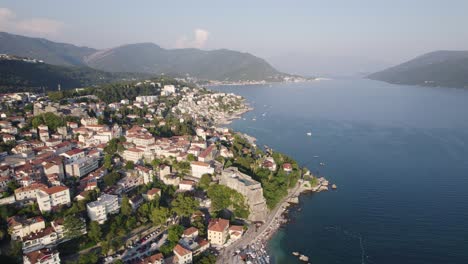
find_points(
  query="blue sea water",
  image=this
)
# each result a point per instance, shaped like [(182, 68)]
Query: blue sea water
[(398, 154)]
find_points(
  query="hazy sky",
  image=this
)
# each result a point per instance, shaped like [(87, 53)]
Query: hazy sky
[(380, 31)]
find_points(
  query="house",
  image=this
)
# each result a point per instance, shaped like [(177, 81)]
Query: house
[(20, 227), (199, 168), (146, 173), (44, 238), (153, 259), (50, 198), (42, 256), (235, 232), (7, 137), (218, 231), (28, 192), (182, 255), (136, 201), (208, 154), (164, 170), (151, 194), (186, 185), (190, 232), (73, 155), (269, 163), (105, 204), (287, 167), (81, 167), (133, 154)]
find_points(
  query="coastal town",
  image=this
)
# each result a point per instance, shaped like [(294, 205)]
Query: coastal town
[(147, 174)]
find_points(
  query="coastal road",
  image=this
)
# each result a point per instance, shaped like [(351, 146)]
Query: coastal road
[(251, 235)]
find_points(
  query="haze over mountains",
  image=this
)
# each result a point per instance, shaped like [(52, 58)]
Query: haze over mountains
[(145, 58), (440, 68)]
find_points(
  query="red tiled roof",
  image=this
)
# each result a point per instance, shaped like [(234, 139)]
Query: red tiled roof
[(190, 231), (200, 163), (55, 189), (153, 191), (181, 251), (218, 225)]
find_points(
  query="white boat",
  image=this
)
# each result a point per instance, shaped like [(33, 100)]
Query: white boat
[(309, 134), (322, 164), (254, 119)]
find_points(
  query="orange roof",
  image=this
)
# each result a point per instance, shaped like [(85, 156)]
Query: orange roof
[(152, 259), (218, 225), (55, 189), (190, 231), (181, 251), (200, 163), (236, 228), (153, 191)]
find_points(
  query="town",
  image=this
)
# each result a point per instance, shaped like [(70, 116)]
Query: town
[(140, 172)]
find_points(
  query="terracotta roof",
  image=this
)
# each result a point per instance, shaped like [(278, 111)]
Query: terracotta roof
[(153, 191), (236, 228), (181, 251), (55, 189), (73, 152), (190, 231), (218, 225), (39, 255), (200, 163), (152, 259)]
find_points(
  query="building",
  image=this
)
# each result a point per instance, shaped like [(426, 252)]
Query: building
[(182, 255), (153, 259), (199, 168), (146, 173), (28, 192), (151, 194), (168, 90), (81, 167), (218, 231), (41, 239), (133, 154), (105, 204), (235, 232), (190, 232), (148, 99), (250, 189), (20, 227), (42, 256), (186, 185), (50, 198)]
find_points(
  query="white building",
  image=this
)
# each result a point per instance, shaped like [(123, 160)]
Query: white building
[(105, 204), (20, 227), (133, 154), (199, 168), (168, 90), (148, 99), (42, 256), (48, 198), (81, 167)]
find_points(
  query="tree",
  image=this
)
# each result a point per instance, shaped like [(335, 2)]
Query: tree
[(108, 161), (174, 232), (205, 181), (191, 157), (159, 216), (73, 226), (223, 197), (130, 165), (88, 258), (184, 205), (111, 178), (95, 232), (126, 208)]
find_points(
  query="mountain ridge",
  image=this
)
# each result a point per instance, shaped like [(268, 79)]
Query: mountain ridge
[(146, 57), (445, 68)]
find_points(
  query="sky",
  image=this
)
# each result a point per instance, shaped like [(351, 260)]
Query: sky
[(297, 36)]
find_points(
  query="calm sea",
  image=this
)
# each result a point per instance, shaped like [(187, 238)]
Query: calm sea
[(398, 154)]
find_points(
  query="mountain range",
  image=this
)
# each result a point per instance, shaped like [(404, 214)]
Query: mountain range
[(440, 68), (222, 64)]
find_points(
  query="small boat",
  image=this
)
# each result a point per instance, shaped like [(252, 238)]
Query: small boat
[(309, 134), (264, 114), (316, 156), (322, 164), (254, 119)]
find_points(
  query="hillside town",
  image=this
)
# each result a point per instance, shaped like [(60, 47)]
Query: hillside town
[(149, 179)]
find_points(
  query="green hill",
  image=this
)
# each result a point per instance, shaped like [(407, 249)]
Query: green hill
[(440, 68), (145, 58), (20, 75)]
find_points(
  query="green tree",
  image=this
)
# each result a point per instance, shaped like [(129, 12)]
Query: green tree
[(108, 161), (184, 205), (130, 165), (191, 157), (159, 215), (95, 232), (205, 181), (88, 258), (125, 208), (111, 178), (73, 226), (174, 233)]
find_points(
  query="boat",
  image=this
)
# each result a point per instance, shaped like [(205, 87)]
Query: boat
[(254, 119), (322, 164), (309, 134)]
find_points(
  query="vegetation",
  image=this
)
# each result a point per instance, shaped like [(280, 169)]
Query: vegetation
[(223, 197)]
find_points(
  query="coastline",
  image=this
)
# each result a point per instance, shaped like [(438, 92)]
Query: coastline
[(256, 238)]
